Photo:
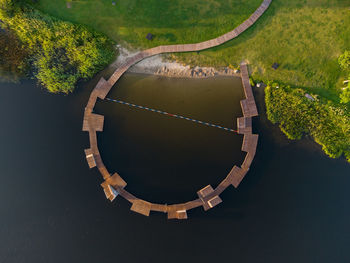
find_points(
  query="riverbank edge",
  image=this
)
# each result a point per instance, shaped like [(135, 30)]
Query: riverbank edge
[(159, 65)]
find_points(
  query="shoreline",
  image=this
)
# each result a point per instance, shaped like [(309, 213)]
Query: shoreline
[(160, 66)]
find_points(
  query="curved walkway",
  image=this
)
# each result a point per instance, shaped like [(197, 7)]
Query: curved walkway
[(208, 197)]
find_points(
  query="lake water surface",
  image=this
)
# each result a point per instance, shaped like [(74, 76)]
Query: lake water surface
[(164, 159), (293, 205)]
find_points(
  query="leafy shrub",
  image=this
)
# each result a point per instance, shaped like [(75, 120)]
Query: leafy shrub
[(61, 53), (327, 123), (12, 54), (344, 62)]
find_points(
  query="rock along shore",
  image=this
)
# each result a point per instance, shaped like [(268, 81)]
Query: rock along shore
[(157, 65)]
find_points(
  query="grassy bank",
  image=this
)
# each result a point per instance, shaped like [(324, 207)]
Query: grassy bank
[(304, 36), (171, 21), (59, 53)]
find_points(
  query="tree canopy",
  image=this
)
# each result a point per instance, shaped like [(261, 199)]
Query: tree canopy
[(297, 115), (61, 53), (344, 62), (12, 54)]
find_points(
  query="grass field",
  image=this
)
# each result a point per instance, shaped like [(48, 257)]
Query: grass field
[(304, 36), (171, 21)]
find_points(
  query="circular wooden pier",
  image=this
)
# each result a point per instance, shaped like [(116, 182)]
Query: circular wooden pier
[(208, 197)]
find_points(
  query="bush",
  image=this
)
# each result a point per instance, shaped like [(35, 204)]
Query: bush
[(344, 60), (6, 6), (252, 82), (61, 53), (327, 123), (12, 54), (345, 95)]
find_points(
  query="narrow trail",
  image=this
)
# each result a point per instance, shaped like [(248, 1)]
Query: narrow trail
[(103, 87)]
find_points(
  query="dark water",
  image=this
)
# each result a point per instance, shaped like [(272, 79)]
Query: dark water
[(164, 159), (293, 206)]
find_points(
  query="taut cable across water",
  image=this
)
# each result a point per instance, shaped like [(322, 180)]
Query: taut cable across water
[(171, 115)]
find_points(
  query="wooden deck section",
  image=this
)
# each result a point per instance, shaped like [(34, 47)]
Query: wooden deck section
[(181, 214), (90, 158), (250, 142), (244, 125), (235, 176), (205, 191), (248, 161), (208, 197), (249, 108), (115, 180), (214, 201), (248, 105), (142, 207), (93, 121), (177, 212), (110, 192)]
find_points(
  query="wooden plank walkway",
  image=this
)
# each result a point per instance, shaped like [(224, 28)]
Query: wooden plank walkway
[(208, 197), (104, 87)]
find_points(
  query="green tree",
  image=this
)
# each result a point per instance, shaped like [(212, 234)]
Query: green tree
[(344, 60), (12, 54), (6, 5), (327, 123), (60, 52), (345, 95)]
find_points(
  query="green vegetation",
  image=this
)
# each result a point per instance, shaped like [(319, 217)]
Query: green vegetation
[(344, 62), (308, 38), (60, 53), (12, 55), (297, 115), (171, 21), (305, 36)]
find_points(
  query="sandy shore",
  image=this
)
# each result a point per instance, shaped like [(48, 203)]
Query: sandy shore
[(158, 65)]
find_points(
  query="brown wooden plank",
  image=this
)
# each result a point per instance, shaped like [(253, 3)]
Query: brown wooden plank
[(235, 176), (214, 201), (93, 121), (115, 180), (90, 158), (141, 207), (250, 142), (205, 191)]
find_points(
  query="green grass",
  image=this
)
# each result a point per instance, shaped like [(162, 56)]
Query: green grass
[(304, 36), (171, 21)]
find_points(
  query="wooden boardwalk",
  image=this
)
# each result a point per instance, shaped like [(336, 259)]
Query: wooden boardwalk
[(208, 197)]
